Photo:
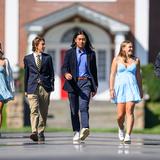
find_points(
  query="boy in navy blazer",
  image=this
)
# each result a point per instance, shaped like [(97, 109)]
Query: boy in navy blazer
[(38, 82), (80, 72)]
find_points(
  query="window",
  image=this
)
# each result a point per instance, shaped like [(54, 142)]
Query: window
[(101, 64), (68, 36)]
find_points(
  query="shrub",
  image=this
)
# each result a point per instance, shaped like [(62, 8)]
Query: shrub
[(151, 84)]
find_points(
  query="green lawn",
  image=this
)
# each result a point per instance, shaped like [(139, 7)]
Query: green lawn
[(152, 119)]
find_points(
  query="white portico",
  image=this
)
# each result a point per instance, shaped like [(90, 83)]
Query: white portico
[(105, 33)]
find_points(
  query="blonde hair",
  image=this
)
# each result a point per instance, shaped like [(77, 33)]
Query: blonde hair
[(121, 52)]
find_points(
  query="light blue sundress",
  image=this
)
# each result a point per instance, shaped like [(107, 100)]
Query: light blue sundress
[(5, 94), (126, 87)]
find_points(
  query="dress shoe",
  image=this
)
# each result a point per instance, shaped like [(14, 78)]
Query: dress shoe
[(41, 137), (34, 137)]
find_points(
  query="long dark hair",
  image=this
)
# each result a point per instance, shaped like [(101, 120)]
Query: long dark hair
[(88, 45)]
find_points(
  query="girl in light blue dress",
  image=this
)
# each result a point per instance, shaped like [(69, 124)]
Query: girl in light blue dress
[(125, 88), (6, 83)]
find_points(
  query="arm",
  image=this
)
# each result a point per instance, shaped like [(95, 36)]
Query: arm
[(94, 73), (139, 79), (26, 75), (9, 76), (65, 67), (52, 77), (95, 70), (112, 77)]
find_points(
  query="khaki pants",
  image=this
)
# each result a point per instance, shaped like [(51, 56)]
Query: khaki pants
[(39, 102)]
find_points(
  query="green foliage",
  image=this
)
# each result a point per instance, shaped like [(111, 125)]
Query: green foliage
[(152, 115), (151, 84), (4, 123)]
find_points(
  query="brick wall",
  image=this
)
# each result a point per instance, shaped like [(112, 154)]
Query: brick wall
[(122, 10)]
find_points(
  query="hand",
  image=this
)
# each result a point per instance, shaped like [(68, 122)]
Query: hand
[(25, 93), (52, 88), (93, 94), (112, 94), (68, 76)]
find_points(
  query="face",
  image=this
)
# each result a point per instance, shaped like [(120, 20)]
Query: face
[(40, 46), (128, 49), (80, 41)]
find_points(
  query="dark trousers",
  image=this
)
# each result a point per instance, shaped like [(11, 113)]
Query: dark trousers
[(80, 102)]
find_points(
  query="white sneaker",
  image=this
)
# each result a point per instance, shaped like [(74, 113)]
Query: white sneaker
[(127, 138), (121, 134), (84, 133), (76, 136)]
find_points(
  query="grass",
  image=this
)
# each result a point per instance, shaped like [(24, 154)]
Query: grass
[(152, 119), (4, 122)]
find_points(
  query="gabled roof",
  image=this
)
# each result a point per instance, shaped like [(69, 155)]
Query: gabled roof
[(56, 17)]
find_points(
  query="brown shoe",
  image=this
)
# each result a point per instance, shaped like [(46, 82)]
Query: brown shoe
[(34, 137)]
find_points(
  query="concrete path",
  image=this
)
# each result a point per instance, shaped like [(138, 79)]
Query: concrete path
[(98, 146)]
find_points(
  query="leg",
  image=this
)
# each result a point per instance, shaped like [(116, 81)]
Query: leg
[(84, 100), (121, 111), (130, 116), (34, 116), (1, 109), (74, 108), (43, 109)]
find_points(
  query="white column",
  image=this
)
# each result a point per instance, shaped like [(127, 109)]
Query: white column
[(142, 30), (119, 38), (31, 36), (12, 31)]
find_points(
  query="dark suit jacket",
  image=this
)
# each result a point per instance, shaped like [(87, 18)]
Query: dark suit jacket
[(69, 66), (32, 75)]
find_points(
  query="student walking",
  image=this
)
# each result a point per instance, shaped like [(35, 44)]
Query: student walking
[(125, 88), (39, 82), (7, 88), (80, 73)]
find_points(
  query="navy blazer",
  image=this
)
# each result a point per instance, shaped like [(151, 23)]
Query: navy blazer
[(69, 66), (33, 75)]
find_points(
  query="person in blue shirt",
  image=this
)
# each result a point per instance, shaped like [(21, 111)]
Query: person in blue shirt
[(80, 72)]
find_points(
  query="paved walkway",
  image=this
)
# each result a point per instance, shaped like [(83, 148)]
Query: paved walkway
[(98, 146)]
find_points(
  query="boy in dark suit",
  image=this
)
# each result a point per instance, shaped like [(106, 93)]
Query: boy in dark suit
[(80, 73), (39, 82)]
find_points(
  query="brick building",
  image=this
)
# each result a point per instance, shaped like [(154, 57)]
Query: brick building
[(107, 22)]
